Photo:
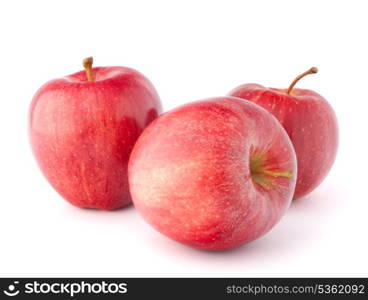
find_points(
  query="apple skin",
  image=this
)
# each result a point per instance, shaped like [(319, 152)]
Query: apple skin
[(190, 177), (310, 123), (82, 133)]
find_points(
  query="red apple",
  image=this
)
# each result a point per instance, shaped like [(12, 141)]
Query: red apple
[(310, 122), (213, 174), (83, 127)]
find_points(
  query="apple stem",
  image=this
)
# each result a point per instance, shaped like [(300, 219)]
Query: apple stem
[(285, 174), (312, 70), (87, 64)]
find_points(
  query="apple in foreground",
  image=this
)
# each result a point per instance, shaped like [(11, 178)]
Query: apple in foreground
[(83, 127), (213, 174), (310, 123)]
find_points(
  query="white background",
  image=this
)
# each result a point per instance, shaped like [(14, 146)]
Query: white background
[(189, 50)]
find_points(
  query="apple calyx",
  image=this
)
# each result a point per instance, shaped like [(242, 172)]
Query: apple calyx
[(312, 70), (262, 175), (87, 64)]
